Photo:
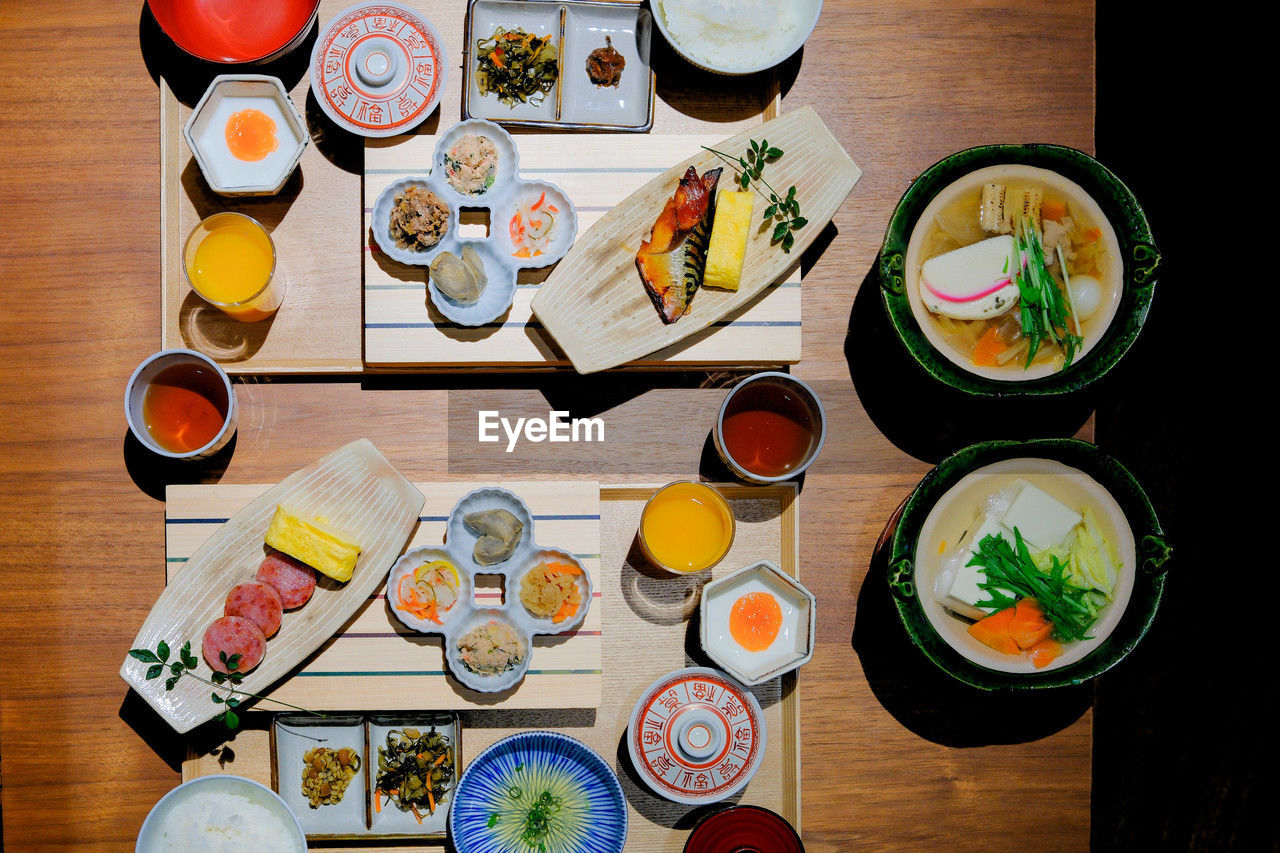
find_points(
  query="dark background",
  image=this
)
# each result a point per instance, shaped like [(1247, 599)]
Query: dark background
[(1179, 729)]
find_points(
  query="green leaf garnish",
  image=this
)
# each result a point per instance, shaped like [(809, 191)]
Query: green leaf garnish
[(784, 208), (1011, 575)]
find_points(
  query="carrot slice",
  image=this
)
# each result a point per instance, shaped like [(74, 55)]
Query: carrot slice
[(993, 631), (562, 569), (1044, 652), (987, 349), (1029, 625), (1053, 209)]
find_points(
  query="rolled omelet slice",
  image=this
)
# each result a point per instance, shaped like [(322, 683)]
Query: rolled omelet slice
[(729, 232), (314, 542)]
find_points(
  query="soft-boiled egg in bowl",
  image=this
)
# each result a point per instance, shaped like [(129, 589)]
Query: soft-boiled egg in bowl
[(758, 622), (246, 135)]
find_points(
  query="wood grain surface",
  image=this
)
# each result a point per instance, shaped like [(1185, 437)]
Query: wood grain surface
[(893, 756)]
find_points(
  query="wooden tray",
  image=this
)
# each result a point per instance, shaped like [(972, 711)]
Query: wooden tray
[(392, 667), (594, 305), (318, 227), (403, 329), (358, 491), (650, 613)]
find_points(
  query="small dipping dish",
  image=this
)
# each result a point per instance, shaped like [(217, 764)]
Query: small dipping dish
[(686, 527), (179, 403), (770, 428), (246, 135), (758, 623), (229, 260)]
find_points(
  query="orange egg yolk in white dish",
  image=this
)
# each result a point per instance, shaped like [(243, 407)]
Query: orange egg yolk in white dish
[(251, 134), (754, 621)]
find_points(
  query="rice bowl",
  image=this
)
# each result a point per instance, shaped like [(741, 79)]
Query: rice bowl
[(736, 36)]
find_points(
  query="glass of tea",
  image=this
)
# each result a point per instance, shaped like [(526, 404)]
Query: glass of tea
[(686, 527), (179, 403), (230, 262), (770, 428)]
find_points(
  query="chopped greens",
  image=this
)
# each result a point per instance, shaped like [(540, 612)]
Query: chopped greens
[(516, 66), (539, 814), (1012, 574), (1045, 314)]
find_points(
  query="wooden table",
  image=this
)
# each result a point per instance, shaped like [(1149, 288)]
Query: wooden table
[(894, 756)]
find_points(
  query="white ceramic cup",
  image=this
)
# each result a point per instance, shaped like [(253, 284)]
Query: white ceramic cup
[(816, 412), (135, 394)]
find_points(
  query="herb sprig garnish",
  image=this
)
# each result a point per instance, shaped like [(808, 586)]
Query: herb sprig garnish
[(539, 814), (228, 682), (1010, 569), (783, 210)]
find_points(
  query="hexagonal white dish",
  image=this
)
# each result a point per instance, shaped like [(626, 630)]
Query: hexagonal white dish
[(793, 645), (205, 132), (466, 615)]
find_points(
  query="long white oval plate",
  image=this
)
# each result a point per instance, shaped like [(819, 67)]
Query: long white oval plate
[(360, 493), (594, 302)]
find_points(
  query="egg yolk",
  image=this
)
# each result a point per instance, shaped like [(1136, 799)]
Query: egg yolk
[(754, 621), (251, 134)]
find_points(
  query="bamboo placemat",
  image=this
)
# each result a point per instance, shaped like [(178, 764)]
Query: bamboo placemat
[(402, 328), (391, 667), (649, 634)]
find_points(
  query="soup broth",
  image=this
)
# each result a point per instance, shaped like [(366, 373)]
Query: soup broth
[(1062, 216)]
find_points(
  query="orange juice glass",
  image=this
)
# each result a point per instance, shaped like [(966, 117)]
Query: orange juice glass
[(230, 262), (686, 527)]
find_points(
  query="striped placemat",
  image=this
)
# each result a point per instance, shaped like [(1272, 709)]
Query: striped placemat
[(402, 328), (375, 662)]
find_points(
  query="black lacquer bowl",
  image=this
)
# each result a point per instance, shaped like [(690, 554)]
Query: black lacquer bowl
[(1135, 245), (912, 595)]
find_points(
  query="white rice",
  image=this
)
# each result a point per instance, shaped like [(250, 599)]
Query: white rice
[(734, 34), (213, 821)]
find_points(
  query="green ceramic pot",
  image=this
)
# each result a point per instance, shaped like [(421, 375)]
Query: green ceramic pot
[(1153, 552), (1140, 257)]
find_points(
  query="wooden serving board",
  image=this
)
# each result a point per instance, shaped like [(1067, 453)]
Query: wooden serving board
[(358, 491), (594, 304), (649, 634), (320, 232), (403, 329), (392, 667)]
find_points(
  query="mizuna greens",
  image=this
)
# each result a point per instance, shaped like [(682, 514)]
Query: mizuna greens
[(1045, 314)]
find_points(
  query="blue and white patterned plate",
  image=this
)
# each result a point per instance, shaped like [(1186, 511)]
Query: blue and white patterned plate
[(510, 775)]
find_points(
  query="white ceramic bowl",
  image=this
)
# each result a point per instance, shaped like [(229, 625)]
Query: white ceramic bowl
[(754, 60), (205, 132), (189, 797), (135, 393), (381, 221), (508, 168), (793, 646), (497, 297)]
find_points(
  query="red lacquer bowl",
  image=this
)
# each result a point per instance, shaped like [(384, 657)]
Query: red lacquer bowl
[(743, 829), (235, 30)]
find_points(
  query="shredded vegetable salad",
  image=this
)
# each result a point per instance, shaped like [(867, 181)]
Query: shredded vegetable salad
[(533, 226)]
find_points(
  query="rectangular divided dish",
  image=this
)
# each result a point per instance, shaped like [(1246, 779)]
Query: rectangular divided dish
[(356, 816), (577, 28)]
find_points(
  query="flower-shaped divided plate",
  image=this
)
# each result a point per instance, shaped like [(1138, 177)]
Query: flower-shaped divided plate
[(506, 780), (432, 590), (378, 69), (532, 223), (696, 736)]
